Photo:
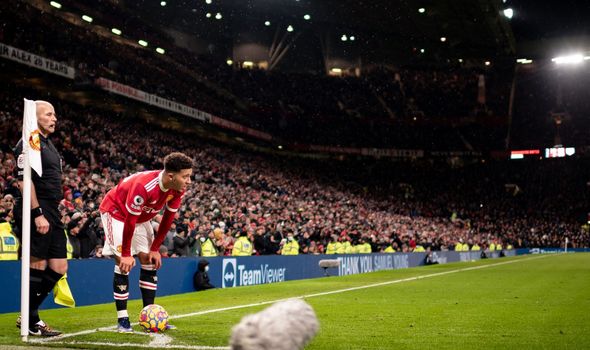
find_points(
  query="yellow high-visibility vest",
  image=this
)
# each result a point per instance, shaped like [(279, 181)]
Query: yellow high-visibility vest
[(290, 248), (332, 247), (208, 248), (242, 247), (8, 243)]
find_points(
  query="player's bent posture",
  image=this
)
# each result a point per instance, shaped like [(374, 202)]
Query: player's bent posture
[(126, 212)]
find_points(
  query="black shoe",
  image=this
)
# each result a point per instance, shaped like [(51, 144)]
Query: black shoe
[(42, 330)]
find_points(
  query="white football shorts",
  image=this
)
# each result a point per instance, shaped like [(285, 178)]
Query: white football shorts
[(143, 236)]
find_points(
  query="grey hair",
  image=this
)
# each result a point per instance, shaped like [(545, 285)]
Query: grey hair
[(286, 325)]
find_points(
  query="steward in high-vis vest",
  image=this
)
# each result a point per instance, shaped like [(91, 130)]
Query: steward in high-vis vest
[(69, 247), (341, 249), (242, 245), (419, 249), (207, 247), (363, 247), (8, 243), (291, 246), (348, 248), (389, 249), (333, 246)]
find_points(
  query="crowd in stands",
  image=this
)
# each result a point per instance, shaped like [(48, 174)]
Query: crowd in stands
[(266, 199), (387, 105)]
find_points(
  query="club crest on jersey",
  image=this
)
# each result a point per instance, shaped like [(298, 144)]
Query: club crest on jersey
[(169, 197), (119, 248)]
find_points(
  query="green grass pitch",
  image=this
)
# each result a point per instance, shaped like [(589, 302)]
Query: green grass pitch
[(526, 302)]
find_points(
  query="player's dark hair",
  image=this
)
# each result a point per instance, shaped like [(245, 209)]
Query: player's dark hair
[(176, 161)]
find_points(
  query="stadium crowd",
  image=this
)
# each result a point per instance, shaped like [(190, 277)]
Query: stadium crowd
[(385, 103), (273, 202)]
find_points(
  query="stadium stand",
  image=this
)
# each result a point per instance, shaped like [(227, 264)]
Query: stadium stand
[(430, 203)]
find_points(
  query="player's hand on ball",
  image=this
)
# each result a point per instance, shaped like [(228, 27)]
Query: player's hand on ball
[(156, 259), (126, 264)]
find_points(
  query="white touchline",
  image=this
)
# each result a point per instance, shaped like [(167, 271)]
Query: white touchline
[(149, 346), (89, 331)]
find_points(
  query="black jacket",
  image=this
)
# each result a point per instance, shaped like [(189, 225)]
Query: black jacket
[(201, 278)]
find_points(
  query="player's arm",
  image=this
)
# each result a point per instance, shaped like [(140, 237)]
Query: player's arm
[(133, 203), (165, 224), (41, 223)]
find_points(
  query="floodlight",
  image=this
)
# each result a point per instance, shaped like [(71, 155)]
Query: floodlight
[(55, 4), (570, 59), (142, 43), (87, 18)]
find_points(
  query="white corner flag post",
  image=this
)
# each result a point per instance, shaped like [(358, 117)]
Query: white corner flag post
[(566, 242), (31, 157)]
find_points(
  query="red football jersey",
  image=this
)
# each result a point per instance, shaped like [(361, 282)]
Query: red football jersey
[(140, 194)]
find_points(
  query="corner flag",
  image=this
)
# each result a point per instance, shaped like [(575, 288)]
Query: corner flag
[(31, 158), (31, 136)]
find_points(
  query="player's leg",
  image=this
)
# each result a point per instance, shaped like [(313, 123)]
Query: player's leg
[(148, 279), (113, 241), (48, 265), (148, 276)]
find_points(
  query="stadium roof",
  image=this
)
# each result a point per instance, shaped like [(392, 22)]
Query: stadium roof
[(384, 30)]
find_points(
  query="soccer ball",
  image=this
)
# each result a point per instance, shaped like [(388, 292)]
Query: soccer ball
[(153, 318)]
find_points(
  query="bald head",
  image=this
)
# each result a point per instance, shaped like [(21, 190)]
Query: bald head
[(46, 118)]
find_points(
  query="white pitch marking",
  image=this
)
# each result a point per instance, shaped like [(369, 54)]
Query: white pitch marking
[(134, 345), (89, 331)]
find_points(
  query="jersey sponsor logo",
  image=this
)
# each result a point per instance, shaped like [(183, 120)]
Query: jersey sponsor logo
[(228, 277)]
